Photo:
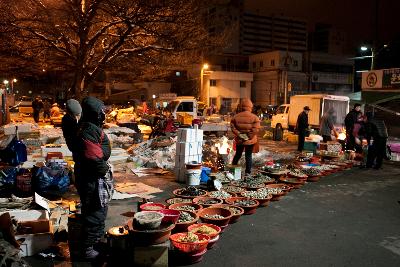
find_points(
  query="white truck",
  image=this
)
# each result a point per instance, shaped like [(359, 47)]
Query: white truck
[(286, 116), (189, 105)]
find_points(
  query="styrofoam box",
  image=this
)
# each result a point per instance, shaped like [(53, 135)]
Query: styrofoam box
[(10, 129), (61, 148), (190, 135), (189, 148), (28, 215), (34, 243)]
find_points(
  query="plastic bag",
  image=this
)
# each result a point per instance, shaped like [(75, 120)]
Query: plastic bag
[(15, 153), (52, 177), (8, 175)]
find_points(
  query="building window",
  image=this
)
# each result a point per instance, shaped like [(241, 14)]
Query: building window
[(242, 83), (261, 64), (272, 62), (213, 82), (295, 63), (254, 65)]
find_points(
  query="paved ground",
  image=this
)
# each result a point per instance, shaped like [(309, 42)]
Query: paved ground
[(346, 219), (350, 218)]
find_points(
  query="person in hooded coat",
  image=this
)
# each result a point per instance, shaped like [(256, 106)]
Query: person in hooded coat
[(245, 126), (349, 121), (327, 125), (93, 174), (69, 124)]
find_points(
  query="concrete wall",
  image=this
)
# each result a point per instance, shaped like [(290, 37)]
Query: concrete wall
[(263, 61), (227, 88)]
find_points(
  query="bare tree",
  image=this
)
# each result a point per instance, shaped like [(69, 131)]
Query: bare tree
[(82, 37)]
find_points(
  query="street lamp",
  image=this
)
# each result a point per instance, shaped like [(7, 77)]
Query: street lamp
[(5, 82), (205, 97)]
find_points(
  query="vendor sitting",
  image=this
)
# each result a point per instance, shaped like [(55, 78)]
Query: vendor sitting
[(55, 110)]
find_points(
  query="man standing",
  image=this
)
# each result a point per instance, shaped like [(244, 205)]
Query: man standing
[(69, 124), (302, 127), (327, 125), (46, 109), (377, 135), (349, 121), (245, 126), (37, 105), (93, 174)]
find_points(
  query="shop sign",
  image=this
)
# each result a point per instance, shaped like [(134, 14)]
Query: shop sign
[(391, 79)]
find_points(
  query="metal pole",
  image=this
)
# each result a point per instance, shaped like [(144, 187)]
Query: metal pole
[(372, 58), (202, 94)]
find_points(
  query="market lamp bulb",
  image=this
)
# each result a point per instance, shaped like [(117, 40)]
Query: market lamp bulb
[(205, 66)]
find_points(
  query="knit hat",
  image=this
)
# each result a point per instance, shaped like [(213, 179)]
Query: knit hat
[(74, 107)]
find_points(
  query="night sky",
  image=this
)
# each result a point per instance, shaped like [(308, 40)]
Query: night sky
[(355, 17)]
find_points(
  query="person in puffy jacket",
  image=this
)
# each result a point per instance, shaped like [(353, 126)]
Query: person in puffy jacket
[(69, 124), (93, 174), (245, 126)]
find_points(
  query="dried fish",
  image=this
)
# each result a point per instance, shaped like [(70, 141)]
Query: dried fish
[(185, 217), (220, 194), (214, 216)]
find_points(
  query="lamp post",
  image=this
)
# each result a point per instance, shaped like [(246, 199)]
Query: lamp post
[(373, 54), (205, 97), (12, 85)]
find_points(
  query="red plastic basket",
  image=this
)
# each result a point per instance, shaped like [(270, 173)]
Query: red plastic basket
[(192, 247), (152, 206)]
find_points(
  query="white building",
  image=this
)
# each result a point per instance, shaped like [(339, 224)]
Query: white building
[(225, 89), (277, 75)]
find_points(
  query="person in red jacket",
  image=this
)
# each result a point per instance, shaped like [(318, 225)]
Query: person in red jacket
[(245, 126)]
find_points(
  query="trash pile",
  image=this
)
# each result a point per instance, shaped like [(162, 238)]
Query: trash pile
[(159, 152)]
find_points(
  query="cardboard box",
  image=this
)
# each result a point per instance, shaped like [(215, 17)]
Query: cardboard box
[(37, 226), (28, 215), (11, 128), (41, 238), (56, 148)]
